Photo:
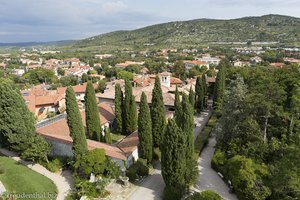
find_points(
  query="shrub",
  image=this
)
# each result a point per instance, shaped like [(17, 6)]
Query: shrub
[(156, 154), (139, 168), (112, 170), (54, 165), (205, 195), (218, 161), (173, 193)]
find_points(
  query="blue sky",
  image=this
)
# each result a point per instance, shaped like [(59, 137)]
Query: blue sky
[(51, 20)]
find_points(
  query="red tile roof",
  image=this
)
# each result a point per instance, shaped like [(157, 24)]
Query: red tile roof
[(129, 144)]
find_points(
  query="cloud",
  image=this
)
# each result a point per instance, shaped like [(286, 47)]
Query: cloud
[(114, 6)]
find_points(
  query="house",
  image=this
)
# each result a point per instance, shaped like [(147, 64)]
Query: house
[(188, 64), (57, 133), (18, 72), (277, 65), (256, 59), (101, 56), (241, 63), (210, 60), (72, 61)]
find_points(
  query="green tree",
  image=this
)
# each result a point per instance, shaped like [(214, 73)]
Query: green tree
[(219, 90), (92, 118), (107, 137), (40, 75), (204, 85), (118, 108), (192, 97), (125, 75), (178, 108), (157, 113), (75, 124), (173, 163), (126, 108), (199, 94), (17, 129), (133, 115), (60, 71), (187, 127), (205, 195), (84, 78), (145, 130), (69, 81)]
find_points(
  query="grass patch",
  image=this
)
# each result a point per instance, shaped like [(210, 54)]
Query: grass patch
[(202, 138), (116, 137), (19, 179)]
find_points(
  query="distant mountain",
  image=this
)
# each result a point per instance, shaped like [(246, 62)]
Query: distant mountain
[(32, 44), (266, 30)]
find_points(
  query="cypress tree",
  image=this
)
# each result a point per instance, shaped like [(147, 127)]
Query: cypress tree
[(188, 129), (93, 125), (133, 115), (75, 124), (145, 130), (17, 125), (126, 107), (118, 107), (157, 113), (204, 84), (219, 90), (173, 163), (199, 103), (192, 97), (107, 136), (178, 109)]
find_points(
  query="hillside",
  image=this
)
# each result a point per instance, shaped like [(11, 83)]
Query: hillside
[(269, 28)]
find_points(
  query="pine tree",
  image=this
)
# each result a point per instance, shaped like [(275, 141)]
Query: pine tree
[(17, 125), (157, 113), (178, 109), (199, 103), (126, 107), (133, 115), (107, 137), (219, 90), (192, 97), (188, 129), (93, 125), (75, 124), (173, 163), (118, 107), (145, 130)]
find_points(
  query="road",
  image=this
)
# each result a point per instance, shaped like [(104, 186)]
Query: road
[(152, 187)]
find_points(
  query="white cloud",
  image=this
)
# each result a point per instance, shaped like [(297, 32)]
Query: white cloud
[(114, 6)]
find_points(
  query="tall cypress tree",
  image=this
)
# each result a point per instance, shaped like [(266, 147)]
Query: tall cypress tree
[(192, 97), (145, 130), (157, 113), (204, 84), (133, 115), (188, 129), (75, 124), (199, 103), (17, 125), (126, 107), (107, 136), (178, 109), (118, 107), (173, 163), (93, 125), (219, 89)]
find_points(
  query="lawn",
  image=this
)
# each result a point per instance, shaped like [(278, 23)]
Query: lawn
[(202, 138), (19, 179)]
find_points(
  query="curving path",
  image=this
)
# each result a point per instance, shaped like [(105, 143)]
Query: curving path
[(208, 178), (63, 181)]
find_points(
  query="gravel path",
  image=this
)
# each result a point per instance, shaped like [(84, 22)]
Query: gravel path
[(208, 178), (63, 181)]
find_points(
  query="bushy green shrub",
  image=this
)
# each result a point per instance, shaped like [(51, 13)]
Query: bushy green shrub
[(205, 195), (156, 154), (139, 168), (54, 165), (172, 193), (218, 161), (112, 170)]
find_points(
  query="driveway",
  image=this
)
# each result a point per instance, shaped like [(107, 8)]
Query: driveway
[(208, 178), (153, 186)]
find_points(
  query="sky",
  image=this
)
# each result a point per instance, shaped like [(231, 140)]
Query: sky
[(54, 20)]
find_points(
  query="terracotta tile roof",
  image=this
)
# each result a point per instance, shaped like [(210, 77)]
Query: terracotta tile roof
[(175, 81), (129, 144), (278, 65), (210, 79), (59, 131), (165, 74), (195, 62), (49, 99), (142, 82)]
